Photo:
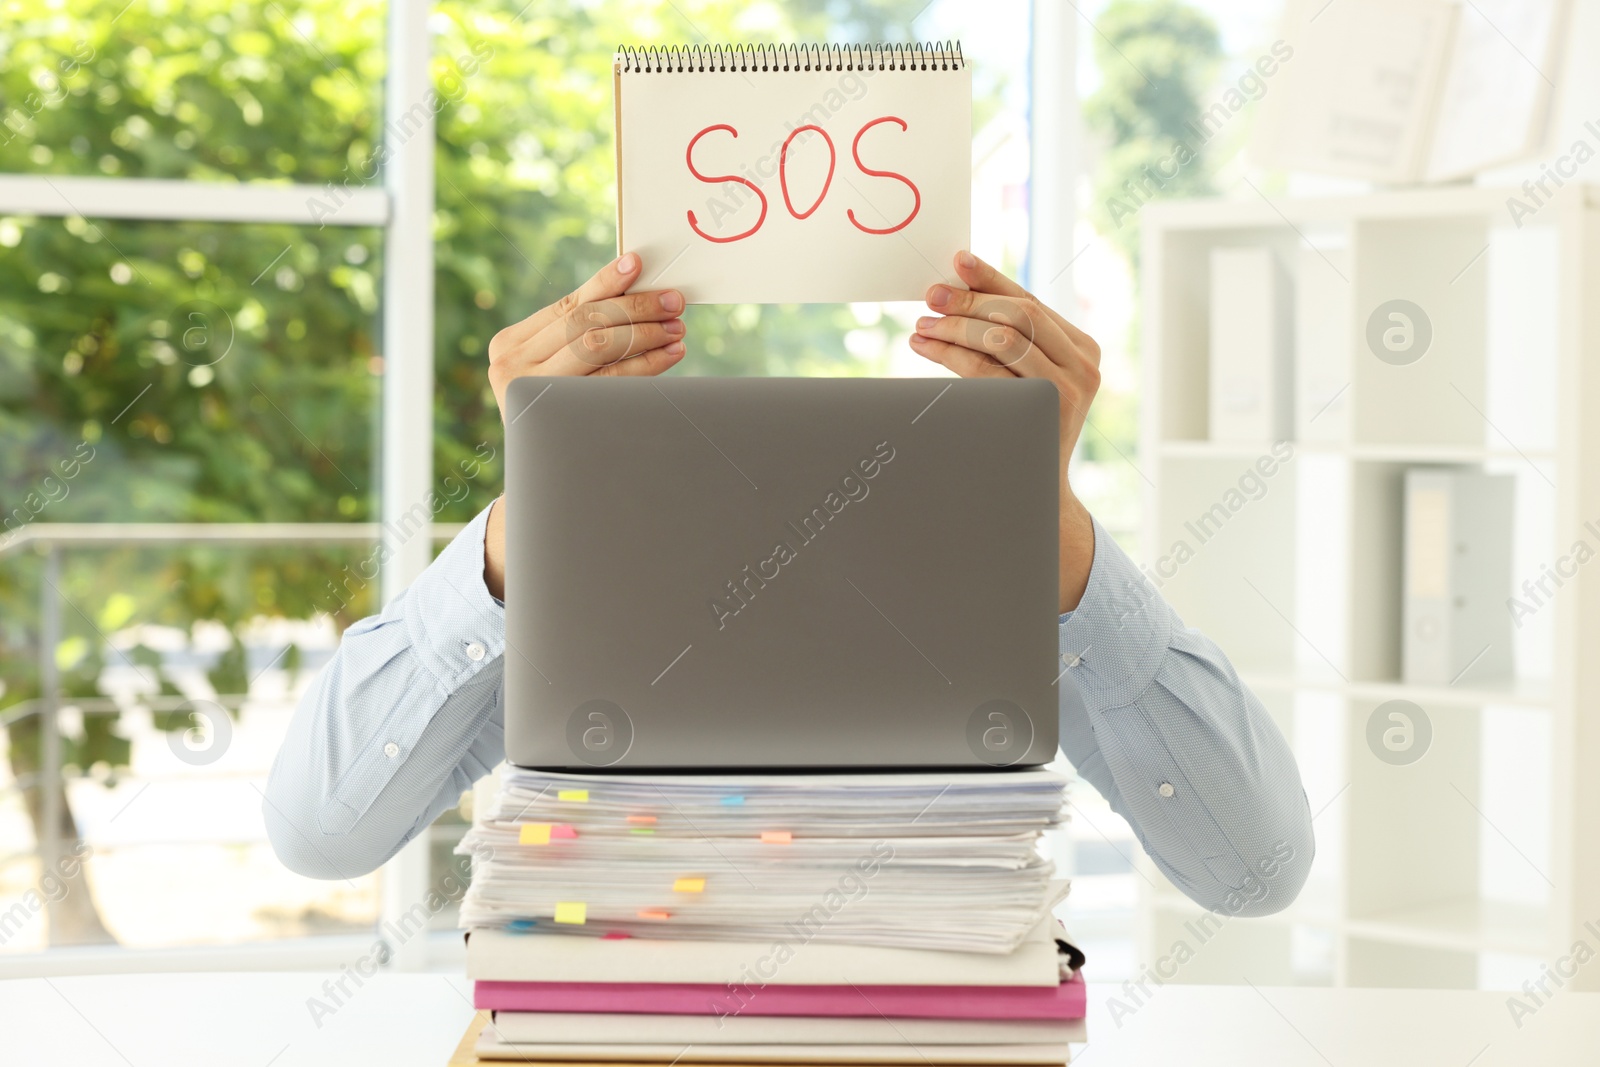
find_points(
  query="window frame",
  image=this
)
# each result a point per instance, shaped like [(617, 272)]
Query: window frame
[(403, 207)]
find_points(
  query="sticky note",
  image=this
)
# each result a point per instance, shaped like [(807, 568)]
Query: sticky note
[(733, 801), (564, 832), (615, 935), (776, 837), (519, 926), (576, 796), (640, 830), (642, 820), (575, 913), (534, 833), (654, 913), (689, 885)]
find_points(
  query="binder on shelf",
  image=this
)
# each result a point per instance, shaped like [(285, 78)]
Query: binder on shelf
[(1322, 316), (1252, 339), (1457, 574)]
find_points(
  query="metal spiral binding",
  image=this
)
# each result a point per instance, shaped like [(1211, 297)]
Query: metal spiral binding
[(744, 58)]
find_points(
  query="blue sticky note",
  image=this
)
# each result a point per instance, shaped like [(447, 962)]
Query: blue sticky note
[(732, 801), (521, 926)]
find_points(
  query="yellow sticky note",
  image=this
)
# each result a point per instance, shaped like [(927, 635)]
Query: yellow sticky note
[(777, 837), (576, 913), (576, 796), (534, 833), (689, 885)]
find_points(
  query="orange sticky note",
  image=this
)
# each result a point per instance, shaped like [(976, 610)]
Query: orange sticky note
[(654, 913), (642, 820), (575, 796), (563, 831), (534, 833), (689, 885), (777, 837), (575, 913)]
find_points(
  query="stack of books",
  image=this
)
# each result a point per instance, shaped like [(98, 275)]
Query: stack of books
[(833, 918)]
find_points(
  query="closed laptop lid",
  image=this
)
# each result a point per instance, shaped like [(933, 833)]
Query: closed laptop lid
[(768, 572)]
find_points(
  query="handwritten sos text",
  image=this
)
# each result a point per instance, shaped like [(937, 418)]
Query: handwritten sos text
[(783, 179)]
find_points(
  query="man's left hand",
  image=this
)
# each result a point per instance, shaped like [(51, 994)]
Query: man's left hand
[(997, 329)]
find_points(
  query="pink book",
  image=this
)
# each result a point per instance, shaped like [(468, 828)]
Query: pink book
[(1065, 1001)]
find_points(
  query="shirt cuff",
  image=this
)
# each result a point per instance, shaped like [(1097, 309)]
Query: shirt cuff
[(456, 626), (1116, 639)]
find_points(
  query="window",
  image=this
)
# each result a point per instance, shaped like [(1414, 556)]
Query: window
[(201, 323)]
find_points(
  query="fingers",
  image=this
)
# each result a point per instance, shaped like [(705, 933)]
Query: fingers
[(983, 278), (997, 342), (594, 350), (974, 303), (971, 319), (648, 363), (614, 313), (964, 361), (521, 349), (610, 280)]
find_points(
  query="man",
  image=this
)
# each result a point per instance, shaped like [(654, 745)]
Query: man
[(409, 712)]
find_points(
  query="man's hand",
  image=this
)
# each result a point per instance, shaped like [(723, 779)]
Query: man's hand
[(595, 329), (997, 329)]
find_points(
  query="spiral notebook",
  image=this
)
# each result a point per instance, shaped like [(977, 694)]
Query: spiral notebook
[(794, 174)]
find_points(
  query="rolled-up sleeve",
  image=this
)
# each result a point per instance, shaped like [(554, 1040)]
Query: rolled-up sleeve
[(404, 718), (1160, 724)]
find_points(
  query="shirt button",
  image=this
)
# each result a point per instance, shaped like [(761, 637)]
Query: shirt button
[(392, 750), (475, 652), (1166, 789)]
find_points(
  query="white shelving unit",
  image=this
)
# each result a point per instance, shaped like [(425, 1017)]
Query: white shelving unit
[(1480, 862)]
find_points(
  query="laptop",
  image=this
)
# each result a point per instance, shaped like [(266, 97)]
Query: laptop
[(784, 573)]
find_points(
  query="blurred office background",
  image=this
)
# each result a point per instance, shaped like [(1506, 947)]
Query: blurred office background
[(218, 231)]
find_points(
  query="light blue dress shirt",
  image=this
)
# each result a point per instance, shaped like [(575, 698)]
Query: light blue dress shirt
[(409, 713)]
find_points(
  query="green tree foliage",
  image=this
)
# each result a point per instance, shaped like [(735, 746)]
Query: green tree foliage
[(1155, 58)]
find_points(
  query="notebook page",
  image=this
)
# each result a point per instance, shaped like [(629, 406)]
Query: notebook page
[(725, 201)]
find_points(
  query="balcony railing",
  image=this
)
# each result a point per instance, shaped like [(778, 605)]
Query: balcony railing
[(52, 541)]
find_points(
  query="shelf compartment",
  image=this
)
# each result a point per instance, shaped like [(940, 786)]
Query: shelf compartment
[(1225, 553), (1521, 692), (1467, 924)]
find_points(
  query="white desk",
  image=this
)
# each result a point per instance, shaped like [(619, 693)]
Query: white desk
[(261, 1020)]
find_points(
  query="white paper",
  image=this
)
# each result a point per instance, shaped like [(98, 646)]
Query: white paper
[(1357, 98), (490, 1047), (497, 956), (916, 123), (563, 1028), (1497, 90)]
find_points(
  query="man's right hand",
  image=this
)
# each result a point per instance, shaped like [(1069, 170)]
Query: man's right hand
[(595, 329)]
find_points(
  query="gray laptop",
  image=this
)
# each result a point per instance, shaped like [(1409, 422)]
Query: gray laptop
[(795, 573)]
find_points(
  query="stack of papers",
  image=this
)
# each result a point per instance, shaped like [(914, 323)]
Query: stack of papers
[(849, 918), (916, 860)]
